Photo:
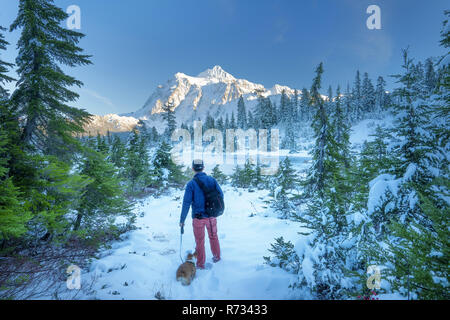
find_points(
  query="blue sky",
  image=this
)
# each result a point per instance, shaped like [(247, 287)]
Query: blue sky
[(138, 44)]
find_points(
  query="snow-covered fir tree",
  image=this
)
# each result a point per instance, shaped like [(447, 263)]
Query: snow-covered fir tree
[(342, 129), (380, 95), (322, 262), (165, 172), (117, 153), (251, 120), (417, 246), (407, 204), (431, 77), (367, 95), (169, 116), (325, 147), (284, 189), (356, 101), (285, 110), (305, 110), (249, 176), (219, 175)]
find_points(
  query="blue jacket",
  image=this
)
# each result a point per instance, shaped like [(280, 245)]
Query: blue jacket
[(194, 195)]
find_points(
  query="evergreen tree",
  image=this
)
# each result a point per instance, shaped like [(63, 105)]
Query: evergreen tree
[(137, 166), (19, 170), (13, 216), (4, 66), (328, 204), (287, 117), (103, 198), (144, 132), (422, 253), (42, 95), (219, 175), (169, 116), (109, 138), (290, 136), (53, 197), (324, 151), (380, 95), (245, 177), (209, 122), (270, 115), (251, 120), (410, 216), (284, 107), (412, 117), (233, 121), (184, 126), (101, 145), (285, 182), (347, 104), (117, 152), (373, 160), (442, 108), (220, 125), (305, 110), (357, 98), (408, 221), (241, 114), (264, 114), (419, 246), (430, 76), (342, 130), (154, 134), (368, 95), (295, 107), (329, 103), (165, 170), (419, 75), (284, 256)]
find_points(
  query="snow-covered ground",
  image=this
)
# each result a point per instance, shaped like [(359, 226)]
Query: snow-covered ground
[(145, 262)]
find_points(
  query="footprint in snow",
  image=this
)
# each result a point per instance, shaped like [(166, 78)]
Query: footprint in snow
[(160, 237), (208, 266), (167, 252), (213, 283)]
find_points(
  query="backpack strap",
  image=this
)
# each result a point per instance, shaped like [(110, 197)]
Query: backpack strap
[(201, 185)]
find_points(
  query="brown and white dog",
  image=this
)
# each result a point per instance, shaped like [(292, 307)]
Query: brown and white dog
[(186, 272)]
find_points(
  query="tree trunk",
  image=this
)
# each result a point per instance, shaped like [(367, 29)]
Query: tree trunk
[(78, 221)]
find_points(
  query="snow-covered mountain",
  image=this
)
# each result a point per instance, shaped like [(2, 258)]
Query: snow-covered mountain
[(110, 122), (212, 91)]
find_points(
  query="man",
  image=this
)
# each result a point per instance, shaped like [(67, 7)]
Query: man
[(194, 195)]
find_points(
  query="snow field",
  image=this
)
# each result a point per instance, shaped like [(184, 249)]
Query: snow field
[(145, 262)]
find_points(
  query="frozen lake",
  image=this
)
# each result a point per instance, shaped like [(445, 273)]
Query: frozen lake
[(229, 161)]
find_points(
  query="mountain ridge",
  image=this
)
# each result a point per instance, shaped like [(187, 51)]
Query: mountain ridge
[(213, 91)]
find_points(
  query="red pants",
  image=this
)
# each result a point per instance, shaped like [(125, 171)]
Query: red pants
[(199, 234)]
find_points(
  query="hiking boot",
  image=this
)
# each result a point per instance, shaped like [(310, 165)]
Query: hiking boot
[(215, 259)]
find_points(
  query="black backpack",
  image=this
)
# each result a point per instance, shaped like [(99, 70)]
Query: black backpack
[(214, 205)]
